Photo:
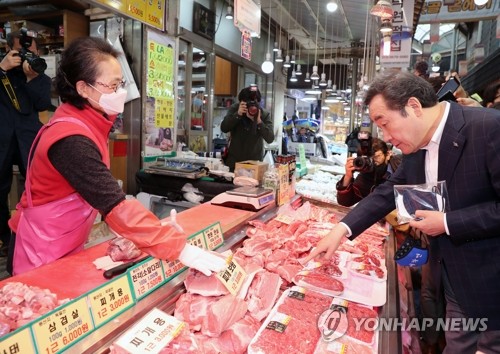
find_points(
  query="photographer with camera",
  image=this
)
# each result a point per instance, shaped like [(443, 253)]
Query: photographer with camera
[(375, 164), (249, 126), (24, 92)]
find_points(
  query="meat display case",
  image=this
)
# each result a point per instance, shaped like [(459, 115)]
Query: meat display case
[(81, 276)]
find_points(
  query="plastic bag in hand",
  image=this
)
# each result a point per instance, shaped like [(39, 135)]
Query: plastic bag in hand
[(201, 260)]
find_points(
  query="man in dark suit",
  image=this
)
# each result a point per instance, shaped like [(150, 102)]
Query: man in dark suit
[(442, 142), (23, 93)]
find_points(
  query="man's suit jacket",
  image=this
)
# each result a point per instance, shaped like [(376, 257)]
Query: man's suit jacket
[(469, 162)]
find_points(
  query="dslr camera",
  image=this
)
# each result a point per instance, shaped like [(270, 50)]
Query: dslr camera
[(36, 63), (364, 163), (252, 107), (252, 101)]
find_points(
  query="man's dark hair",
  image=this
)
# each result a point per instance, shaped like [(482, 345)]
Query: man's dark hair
[(17, 34), (421, 68), (437, 82), (379, 145), (250, 93), (490, 93), (396, 87), (80, 62)]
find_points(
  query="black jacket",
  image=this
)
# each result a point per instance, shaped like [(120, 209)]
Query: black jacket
[(365, 183), (246, 140)]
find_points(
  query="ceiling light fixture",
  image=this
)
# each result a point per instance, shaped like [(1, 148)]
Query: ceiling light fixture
[(386, 26), (435, 67), (229, 12), (315, 75), (275, 48), (287, 64), (386, 45), (323, 82), (279, 56), (298, 72), (308, 76), (293, 78), (480, 2), (332, 6), (382, 9), (268, 66)]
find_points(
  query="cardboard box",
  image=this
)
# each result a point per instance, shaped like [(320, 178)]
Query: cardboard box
[(251, 168)]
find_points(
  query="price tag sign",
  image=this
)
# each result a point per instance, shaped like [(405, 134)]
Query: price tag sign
[(110, 300), (213, 236), (19, 342), (286, 219), (233, 276), (151, 334), (146, 277), (197, 240), (63, 327), (171, 268)]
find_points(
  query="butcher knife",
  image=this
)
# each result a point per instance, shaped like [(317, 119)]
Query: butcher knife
[(110, 273)]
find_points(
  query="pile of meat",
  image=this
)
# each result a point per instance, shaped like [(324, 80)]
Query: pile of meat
[(21, 304), (298, 330), (222, 323)]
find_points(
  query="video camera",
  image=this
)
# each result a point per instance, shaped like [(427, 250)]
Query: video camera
[(36, 63)]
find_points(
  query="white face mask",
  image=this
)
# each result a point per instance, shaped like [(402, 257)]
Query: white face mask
[(111, 103)]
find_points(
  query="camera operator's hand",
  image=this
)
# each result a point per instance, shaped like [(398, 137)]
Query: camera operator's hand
[(29, 72), (242, 109), (10, 60), (349, 171)]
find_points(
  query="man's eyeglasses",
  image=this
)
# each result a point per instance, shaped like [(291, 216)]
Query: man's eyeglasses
[(113, 87)]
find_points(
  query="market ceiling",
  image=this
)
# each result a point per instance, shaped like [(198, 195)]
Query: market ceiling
[(314, 30)]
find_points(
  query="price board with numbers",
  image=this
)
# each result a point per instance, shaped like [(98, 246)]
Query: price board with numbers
[(111, 299), (209, 238), (63, 327), (146, 277), (18, 342)]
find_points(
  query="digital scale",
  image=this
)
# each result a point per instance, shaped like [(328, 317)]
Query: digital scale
[(246, 198)]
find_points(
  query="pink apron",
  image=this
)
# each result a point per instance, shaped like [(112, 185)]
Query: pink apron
[(53, 230)]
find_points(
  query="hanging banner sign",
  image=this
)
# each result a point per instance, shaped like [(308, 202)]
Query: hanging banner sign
[(246, 45), (247, 17), (457, 11), (401, 39), (151, 13)]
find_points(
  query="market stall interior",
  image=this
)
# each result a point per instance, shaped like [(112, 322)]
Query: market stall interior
[(183, 74)]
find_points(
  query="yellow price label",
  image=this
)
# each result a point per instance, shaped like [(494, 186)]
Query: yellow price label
[(146, 277), (110, 300), (19, 342), (286, 219), (233, 276), (62, 328)]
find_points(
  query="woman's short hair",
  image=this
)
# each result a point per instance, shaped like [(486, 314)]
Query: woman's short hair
[(79, 62), (397, 87)]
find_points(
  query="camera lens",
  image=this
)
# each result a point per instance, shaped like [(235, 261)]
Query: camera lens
[(37, 64), (363, 164)]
